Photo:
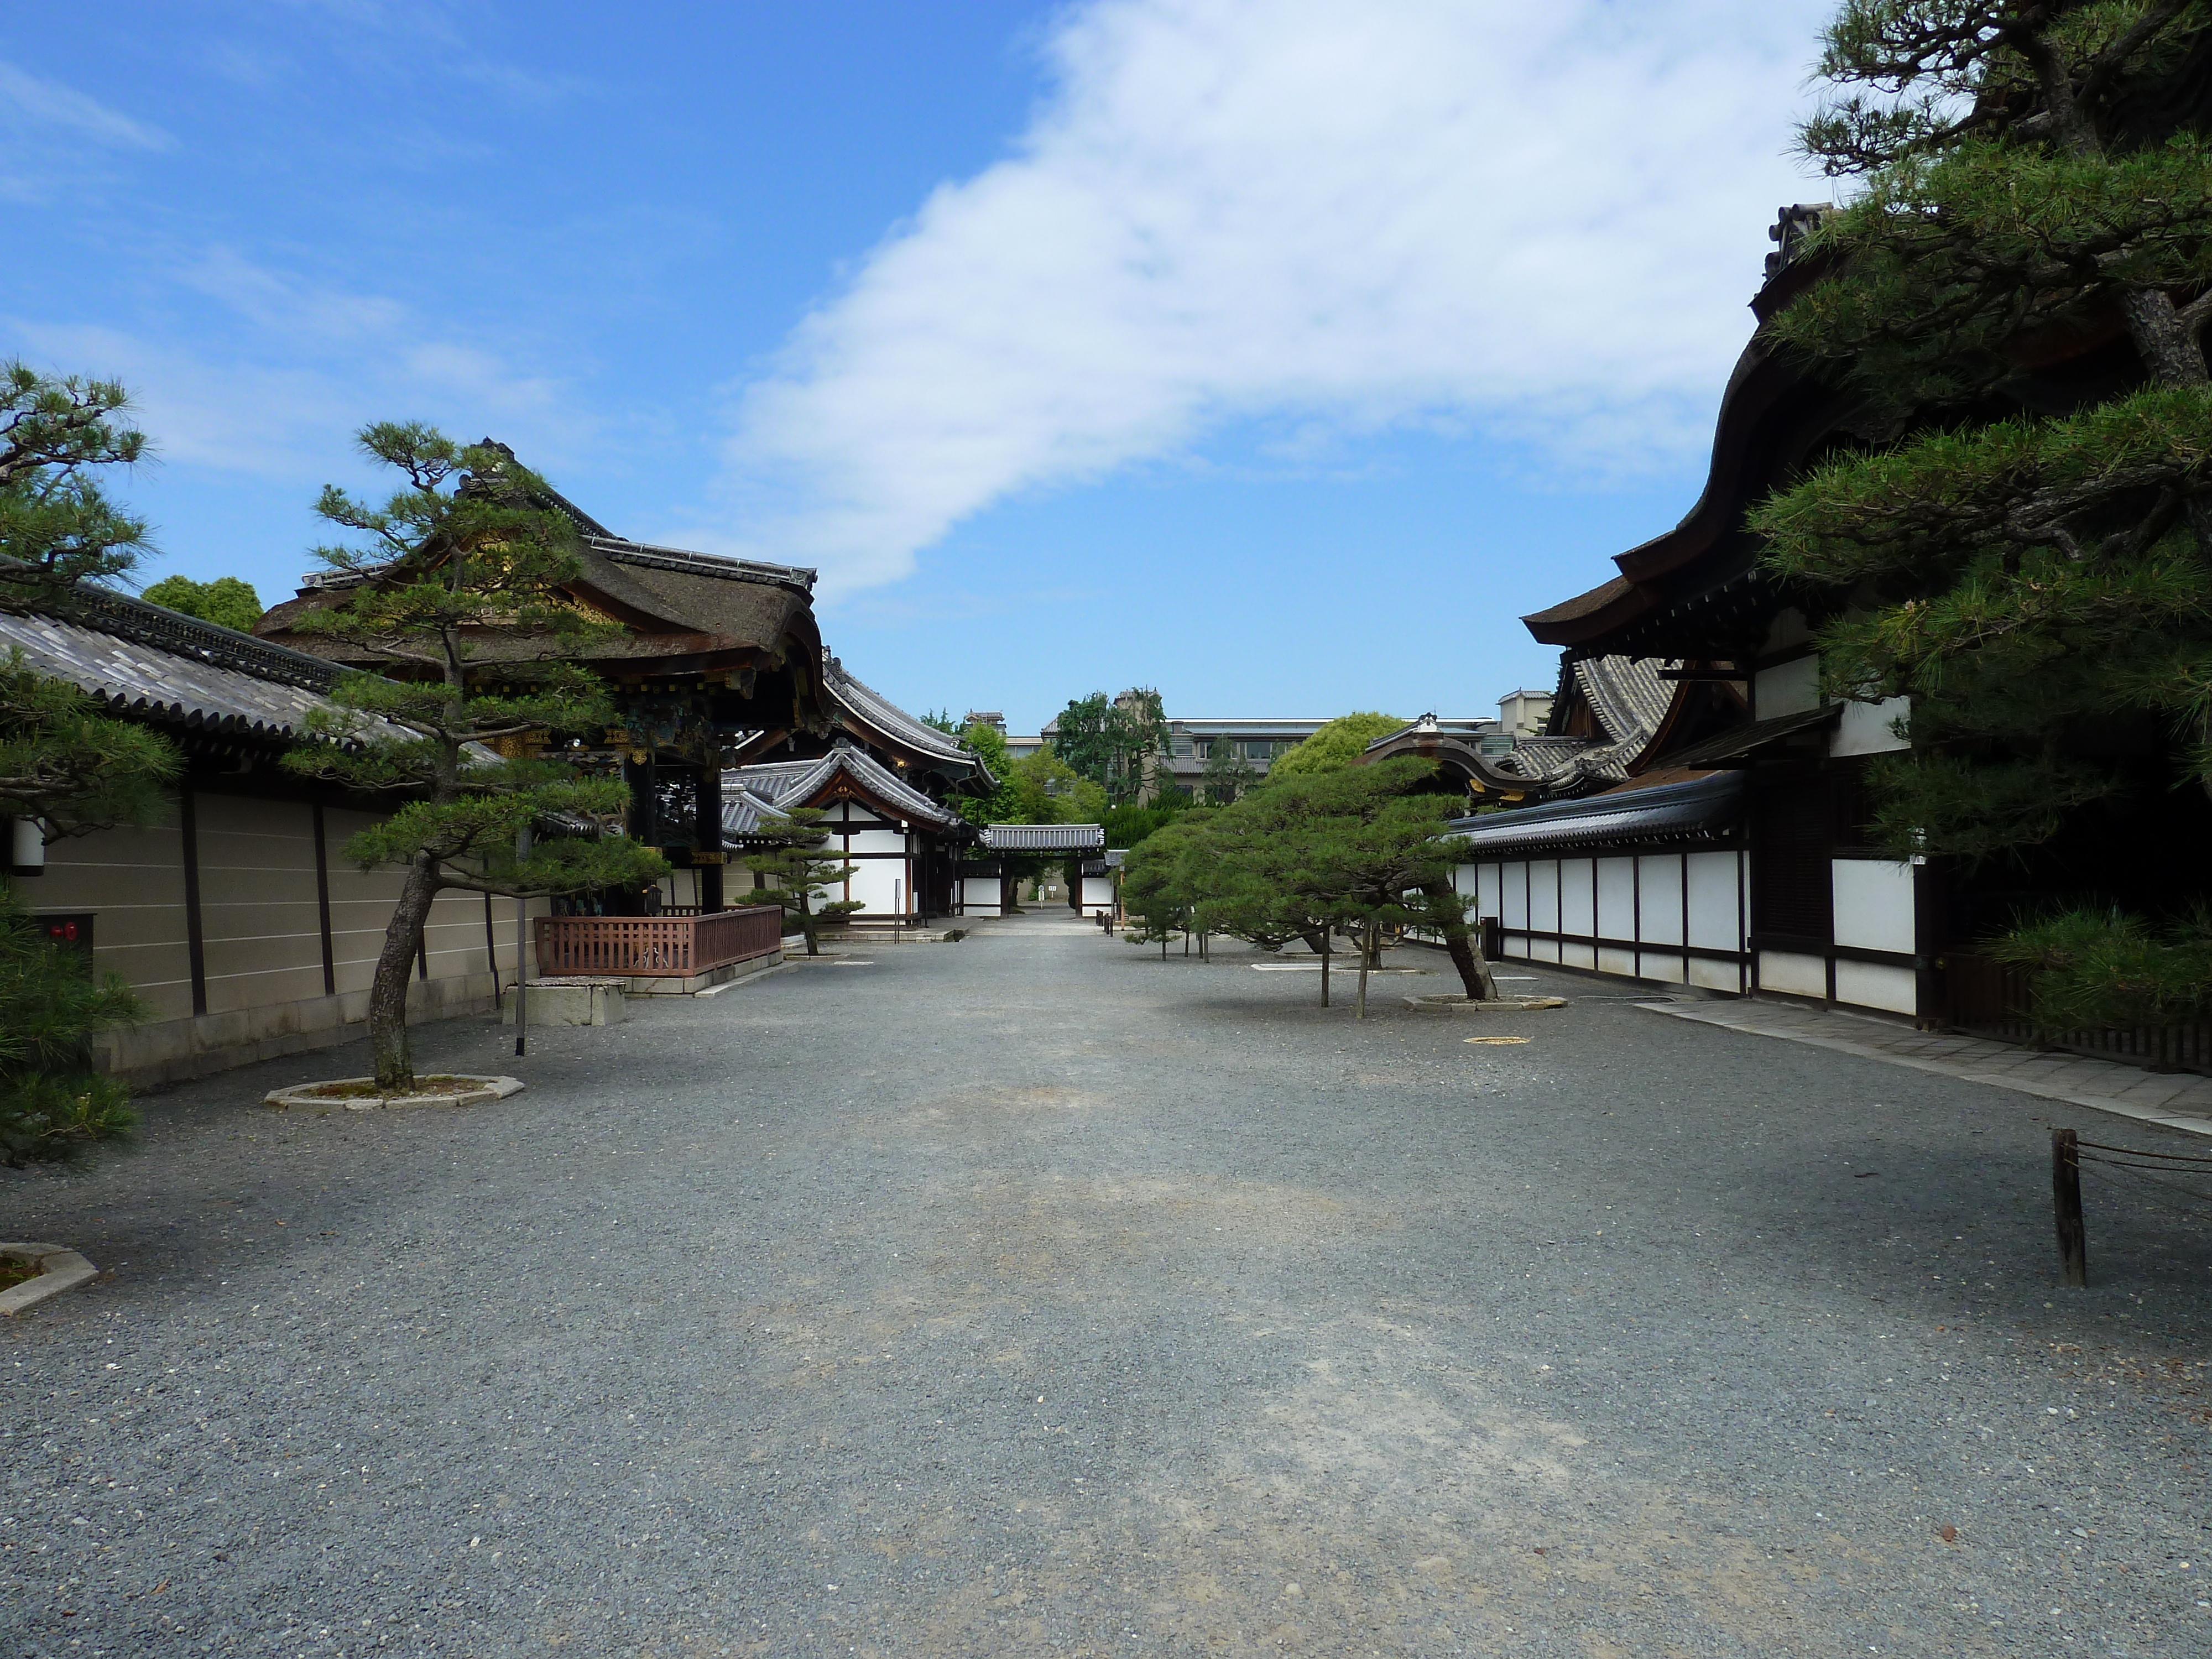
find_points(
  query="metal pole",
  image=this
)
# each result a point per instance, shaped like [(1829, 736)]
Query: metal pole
[(521, 990)]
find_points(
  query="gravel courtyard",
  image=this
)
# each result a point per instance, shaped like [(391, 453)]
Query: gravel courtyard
[(1032, 1294)]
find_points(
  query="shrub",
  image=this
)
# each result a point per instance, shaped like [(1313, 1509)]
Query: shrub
[(53, 1105)]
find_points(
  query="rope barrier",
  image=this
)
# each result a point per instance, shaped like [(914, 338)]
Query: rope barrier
[(2121, 1186), (2138, 1152), (2071, 1157), (2110, 1163)]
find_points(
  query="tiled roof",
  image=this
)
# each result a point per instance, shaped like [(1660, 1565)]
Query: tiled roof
[(783, 785), (872, 708), (1664, 813), (745, 813), (156, 665), (1044, 837), (1629, 700)]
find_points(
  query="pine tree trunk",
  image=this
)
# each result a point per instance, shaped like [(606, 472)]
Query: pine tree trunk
[(1324, 967), (388, 995), (2170, 357), (1368, 947), (1474, 976)]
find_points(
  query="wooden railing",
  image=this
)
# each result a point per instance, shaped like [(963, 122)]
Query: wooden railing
[(1992, 1000), (656, 947)]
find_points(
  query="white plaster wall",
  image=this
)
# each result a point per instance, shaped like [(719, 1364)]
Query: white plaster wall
[(1874, 905), (1481, 880), (1662, 880), (1799, 975), (872, 884), (979, 895), (1616, 900), (1097, 893), (1788, 688), (1577, 895), (1714, 907), (1716, 975), (1512, 893), (1543, 889), (1864, 728), (876, 840), (1875, 985)]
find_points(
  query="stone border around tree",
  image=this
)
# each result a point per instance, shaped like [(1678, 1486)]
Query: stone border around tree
[(302, 1094), (1454, 1003), (59, 1269)]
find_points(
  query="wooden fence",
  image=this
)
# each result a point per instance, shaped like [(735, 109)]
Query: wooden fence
[(656, 947), (1991, 999)]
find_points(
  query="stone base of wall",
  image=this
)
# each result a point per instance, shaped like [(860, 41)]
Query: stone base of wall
[(173, 1050)]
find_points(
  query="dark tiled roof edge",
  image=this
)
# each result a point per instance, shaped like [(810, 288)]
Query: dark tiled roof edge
[(134, 619)]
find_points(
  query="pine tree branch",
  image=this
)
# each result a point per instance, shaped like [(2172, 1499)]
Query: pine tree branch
[(2115, 56)]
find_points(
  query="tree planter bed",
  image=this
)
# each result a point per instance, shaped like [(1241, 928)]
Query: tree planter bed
[(1442, 1004), (59, 1268), (359, 1094)]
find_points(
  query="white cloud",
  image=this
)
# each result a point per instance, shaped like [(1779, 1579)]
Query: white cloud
[(50, 104), (294, 368), (1538, 223)]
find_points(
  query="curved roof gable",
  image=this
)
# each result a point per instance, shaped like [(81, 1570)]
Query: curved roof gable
[(785, 785)]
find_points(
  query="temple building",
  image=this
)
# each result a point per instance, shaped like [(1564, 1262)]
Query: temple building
[(234, 916), (1710, 823), (903, 847), (713, 652)]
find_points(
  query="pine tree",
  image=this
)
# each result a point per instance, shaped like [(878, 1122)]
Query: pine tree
[(64, 766), (1228, 774), (2021, 571), (1164, 880), (2030, 566), (460, 561), (1366, 847), (791, 854)]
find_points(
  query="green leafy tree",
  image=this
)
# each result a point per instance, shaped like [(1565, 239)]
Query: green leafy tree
[(2033, 576), (1116, 744), (1127, 824), (457, 580), (1004, 800), (225, 601), (1047, 790), (1336, 746), (791, 854)]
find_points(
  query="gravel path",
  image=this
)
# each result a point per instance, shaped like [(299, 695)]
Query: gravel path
[(1029, 1293)]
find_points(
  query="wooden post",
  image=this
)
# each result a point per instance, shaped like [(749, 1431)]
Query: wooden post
[(2066, 1207), (1324, 965), (521, 945), (1366, 957)]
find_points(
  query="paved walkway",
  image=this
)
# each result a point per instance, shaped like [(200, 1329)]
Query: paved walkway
[(1031, 1294), (2171, 1101)]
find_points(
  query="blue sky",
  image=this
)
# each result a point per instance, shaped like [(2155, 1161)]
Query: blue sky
[(1275, 353)]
